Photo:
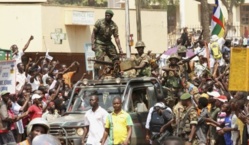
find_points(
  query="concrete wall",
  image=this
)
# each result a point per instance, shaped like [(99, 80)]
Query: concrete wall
[(18, 23), (22, 20)]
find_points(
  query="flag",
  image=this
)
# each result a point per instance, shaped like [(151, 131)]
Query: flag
[(218, 22), (48, 56)]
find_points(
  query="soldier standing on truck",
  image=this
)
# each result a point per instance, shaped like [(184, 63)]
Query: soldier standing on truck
[(142, 61), (102, 45)]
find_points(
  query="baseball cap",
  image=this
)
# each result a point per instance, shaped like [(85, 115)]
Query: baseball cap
[(35, 96), (160, 104), (214, 94), (4, 93), (222, 98)]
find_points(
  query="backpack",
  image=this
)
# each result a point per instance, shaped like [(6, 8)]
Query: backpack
[(215, 50), (157, 121)]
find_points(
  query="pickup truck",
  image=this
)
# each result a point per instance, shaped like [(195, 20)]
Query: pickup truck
[(138, 95)]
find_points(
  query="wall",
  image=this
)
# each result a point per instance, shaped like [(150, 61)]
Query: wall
[(192, 13), (18, 23), (22, 20)]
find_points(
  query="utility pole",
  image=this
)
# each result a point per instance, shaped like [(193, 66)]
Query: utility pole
[(138, 16), (127, 27)]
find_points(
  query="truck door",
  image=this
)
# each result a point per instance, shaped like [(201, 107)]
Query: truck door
[(139, 103)]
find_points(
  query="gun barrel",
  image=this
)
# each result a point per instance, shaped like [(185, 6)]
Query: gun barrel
[(102, 62)]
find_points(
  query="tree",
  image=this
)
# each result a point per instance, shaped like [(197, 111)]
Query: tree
[(229, 4), (158, 4), (205, 22)]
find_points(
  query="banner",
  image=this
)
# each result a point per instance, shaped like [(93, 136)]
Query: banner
[(89, 54), (8, 76), (239, 70)]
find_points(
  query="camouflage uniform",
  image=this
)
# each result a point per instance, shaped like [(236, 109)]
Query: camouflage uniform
[(103, 43), (146, 71), (173, 82), (188, 118), (144, 58)]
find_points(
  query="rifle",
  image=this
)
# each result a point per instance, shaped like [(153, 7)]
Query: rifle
[(102, 62), (177, 128), (198, 40), (191, 57)]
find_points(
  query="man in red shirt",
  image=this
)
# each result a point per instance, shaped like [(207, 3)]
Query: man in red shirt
[(35, 110)]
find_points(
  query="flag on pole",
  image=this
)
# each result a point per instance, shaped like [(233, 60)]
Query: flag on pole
[(218, 22)]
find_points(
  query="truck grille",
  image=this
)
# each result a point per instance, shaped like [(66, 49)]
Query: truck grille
[(58, 131)]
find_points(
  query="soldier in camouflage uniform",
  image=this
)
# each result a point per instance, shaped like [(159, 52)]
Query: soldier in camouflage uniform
[(172, 80), (188, 121), (185, 69), (142, 61), (102, 45)]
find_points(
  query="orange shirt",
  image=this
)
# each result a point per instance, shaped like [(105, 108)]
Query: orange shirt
[(67, 78), (25, 142)]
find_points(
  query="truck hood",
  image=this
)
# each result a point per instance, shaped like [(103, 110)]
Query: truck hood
[(69, 120)]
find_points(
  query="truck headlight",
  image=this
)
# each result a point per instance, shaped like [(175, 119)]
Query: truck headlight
[(80, 131)]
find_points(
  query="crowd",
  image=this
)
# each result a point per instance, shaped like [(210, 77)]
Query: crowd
[(42, 91), (197, 105)]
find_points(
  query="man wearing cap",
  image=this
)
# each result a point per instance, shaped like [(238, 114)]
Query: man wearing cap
[(142, 61), (188, 121), (6, 136), (102, 45), (35, 110)]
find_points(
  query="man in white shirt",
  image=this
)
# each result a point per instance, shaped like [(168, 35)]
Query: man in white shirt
[(20, 76), (16, 54), (95, 122)]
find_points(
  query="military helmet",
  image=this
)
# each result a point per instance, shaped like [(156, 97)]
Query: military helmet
[(140, 44), (181, 49), (38, 121), (174, 56), (109, 12)]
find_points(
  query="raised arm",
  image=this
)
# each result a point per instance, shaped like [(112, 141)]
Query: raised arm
[(27, 44)]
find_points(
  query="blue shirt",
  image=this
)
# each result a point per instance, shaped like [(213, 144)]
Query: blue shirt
[(228, 135)]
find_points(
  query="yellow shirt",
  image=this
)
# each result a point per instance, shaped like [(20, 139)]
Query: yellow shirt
[(117, 124), (241, 128)]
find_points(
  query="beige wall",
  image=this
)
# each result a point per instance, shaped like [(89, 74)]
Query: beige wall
[(18, 23), (22, 20), (192, 13)]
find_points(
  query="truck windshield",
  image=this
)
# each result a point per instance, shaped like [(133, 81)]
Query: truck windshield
[(81, 102)]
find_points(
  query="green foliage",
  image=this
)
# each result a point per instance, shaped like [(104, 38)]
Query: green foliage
[(158, 4), (239, 2), (96, 3)]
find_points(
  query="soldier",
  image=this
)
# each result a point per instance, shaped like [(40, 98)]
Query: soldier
[(188, 120), (172, 79), (142, 61), (184, 63), (102, 45)]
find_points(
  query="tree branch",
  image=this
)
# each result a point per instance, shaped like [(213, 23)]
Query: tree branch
[(225, 3)]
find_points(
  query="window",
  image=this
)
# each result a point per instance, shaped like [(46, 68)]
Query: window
[(139, 100), (244, 12)]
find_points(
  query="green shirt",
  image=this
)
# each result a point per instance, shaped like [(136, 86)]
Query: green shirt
[(104, 31)]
